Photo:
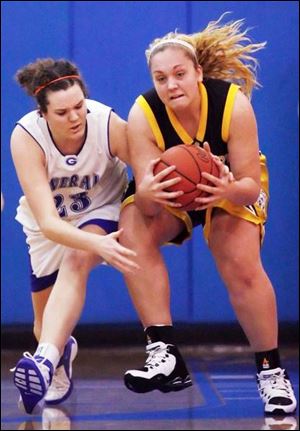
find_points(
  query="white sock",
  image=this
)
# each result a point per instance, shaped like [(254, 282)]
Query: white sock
[(50, 352)]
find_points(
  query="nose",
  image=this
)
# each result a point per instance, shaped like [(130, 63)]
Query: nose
[(172, 83), (73, 116)]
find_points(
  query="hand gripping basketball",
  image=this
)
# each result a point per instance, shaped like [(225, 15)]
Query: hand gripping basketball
[(190, 162)]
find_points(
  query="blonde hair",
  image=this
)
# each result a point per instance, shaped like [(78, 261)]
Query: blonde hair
[(223, 51)]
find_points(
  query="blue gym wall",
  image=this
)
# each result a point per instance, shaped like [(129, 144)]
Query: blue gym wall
[(107, 40)]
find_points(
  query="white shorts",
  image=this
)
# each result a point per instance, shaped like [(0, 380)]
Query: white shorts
[(46, 255)]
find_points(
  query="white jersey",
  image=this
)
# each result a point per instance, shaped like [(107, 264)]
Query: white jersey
[(85, 186), (81, 183)]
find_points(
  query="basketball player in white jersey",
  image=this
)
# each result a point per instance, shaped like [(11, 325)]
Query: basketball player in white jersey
[(69, 156)]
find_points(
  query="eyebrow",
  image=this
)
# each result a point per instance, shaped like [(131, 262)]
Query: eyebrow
[(65, 109), (174, 67)]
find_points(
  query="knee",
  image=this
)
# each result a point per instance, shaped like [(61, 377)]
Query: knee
[(238, 273), (138, 230), (78, 261)]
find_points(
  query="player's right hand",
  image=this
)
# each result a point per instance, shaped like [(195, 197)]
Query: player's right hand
[(115, 254), (153, 187)]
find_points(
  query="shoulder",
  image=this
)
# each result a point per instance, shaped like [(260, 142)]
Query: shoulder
[(218, 87), (137, 118), (28, 129), (118, 137), (29, 118), (243, 120), (94, 106), (20, 133), (24, 147), (242, 105), (150, 97), (216, 83), (117, 122), (145, 104)]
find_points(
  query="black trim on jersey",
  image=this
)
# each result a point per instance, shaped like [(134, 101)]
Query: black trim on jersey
[(252, 209), (18, 124), (108, 141), (159, 110), (217, 91), (80, 149), (197, 217)]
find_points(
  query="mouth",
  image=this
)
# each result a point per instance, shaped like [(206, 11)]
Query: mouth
[(179, 96), (76, 128)]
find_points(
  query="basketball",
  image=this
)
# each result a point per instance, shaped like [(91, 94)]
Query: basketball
[(190, 162)]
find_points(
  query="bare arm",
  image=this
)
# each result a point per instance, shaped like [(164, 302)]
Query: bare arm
[(29, 162), (242, 185), (144, 154), (243, 153)]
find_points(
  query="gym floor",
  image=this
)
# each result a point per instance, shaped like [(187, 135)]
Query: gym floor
[(223, 397)]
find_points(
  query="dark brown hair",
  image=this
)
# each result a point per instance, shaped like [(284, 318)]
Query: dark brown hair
[(42, 72)]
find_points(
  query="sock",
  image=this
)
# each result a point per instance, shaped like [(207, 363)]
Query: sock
[(164, 333), (267, 360), (47, 351)]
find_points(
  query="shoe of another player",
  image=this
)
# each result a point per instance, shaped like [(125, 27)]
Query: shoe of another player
[(276, 391), (164, 370), (280, 423), (62, 384), (32, 376)]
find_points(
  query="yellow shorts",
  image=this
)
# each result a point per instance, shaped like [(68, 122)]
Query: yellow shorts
[(255, 213)]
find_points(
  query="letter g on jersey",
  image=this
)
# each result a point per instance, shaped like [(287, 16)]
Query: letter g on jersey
[(71, 160)]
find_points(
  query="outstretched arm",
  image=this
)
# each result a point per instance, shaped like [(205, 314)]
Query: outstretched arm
[(29, 161)]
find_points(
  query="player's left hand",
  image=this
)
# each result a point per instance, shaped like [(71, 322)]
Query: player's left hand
[(218, 187)]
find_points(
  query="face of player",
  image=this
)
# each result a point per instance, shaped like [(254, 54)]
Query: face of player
[(176, 78), (66, 114)]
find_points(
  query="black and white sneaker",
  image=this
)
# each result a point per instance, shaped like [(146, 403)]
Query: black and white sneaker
[(164, 370), (276, 391)]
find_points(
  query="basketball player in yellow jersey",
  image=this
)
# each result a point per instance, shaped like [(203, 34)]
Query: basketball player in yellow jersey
[(193, 100), (69, 155)]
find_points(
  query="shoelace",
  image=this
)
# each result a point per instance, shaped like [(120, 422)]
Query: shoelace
[(43, 368), (156, 357), (276, 382), (26, 355)]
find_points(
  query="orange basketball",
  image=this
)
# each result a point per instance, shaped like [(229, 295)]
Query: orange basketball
[(190, 162)]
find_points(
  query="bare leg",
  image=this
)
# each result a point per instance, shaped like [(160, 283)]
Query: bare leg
[(164, 369), (39, 301), (235, 245), (67, 298), (149, 288)]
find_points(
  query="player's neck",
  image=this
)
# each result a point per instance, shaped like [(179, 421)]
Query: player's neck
[(69, 145), (189, 119)]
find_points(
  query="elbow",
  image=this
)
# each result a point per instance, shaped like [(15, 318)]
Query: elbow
[(252, 196), (244, 191), (253, 199), (46, 227), (255, 192)]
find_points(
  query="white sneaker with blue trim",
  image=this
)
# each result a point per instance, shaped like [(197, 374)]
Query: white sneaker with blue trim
[(62, 384), (32, 376)]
